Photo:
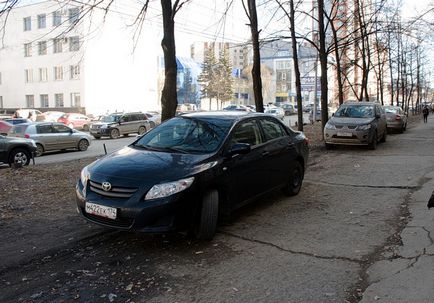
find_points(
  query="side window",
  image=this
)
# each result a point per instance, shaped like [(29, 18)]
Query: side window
[(59, 128), (272, 129), (141, 117), (125, 118), (247, 132), (44, 129)]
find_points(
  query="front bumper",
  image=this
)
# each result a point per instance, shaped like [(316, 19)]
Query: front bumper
[(99, 131), (336, 136)]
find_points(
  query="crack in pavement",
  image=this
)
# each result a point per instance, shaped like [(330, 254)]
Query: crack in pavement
[(428, 234), (362, 185), (293, 251)]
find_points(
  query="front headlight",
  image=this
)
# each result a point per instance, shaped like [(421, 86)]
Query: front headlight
[(84, 176), (364, 127), (330, 126), (168, 189)]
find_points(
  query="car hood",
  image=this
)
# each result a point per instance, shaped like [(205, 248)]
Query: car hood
[(349, 121), (130, 166), (104, 123)]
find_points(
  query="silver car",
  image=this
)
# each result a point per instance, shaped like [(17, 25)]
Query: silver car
[(396, 118), (276, 112), (356, 123), (50, 136)]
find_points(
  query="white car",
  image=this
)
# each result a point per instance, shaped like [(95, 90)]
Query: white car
[(276, 112)]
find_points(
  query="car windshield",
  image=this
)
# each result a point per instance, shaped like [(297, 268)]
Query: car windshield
[(355, 111), (111, 118), (391, 110), (186, 135)]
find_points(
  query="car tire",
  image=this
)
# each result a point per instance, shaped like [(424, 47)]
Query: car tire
[(373, 144), (19, 156), (39, 150), (83, 145), (85, 127), (97, 137), (329, 146), (405, 126), (114, 133), (206, 225), (142, 130), (152, 124), (295, 182), (384, 138)]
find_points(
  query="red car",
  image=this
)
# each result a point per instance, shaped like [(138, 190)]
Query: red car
[(74, 120), (4, 127)]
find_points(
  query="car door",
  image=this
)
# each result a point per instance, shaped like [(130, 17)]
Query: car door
[(382, 120), (45, 134), (3, 151), (246, 175), (127, 123), (64, 137), (279, 152)]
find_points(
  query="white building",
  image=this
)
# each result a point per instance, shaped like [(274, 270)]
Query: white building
[(57, 55)]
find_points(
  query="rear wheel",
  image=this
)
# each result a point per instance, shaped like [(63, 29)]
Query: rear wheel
[(295, 180), (373, 144), (114, 133), (152, 124), (97, 137), (86, 127), (83, 144), (207, 220), (39, 150), (19, 156), (142, 130), (328, 146)]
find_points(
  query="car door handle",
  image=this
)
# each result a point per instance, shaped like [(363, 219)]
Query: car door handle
[(265, 153)]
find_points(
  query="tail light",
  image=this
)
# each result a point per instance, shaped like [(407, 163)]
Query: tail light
[(397, 117), (306, 141), (27, 136)]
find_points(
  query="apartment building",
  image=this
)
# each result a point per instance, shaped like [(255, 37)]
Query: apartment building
[(55, 55)]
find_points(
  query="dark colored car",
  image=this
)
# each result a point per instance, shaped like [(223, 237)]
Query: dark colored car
[(191, 169), (4, 127), (118, 124), (356, 123), (16, 150)]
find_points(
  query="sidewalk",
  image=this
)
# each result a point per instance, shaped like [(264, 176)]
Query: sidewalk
[(406, 272)]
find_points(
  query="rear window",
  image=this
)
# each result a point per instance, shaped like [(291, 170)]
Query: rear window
[(44, 129), (18, 129)]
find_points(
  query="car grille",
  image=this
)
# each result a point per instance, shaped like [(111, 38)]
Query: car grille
[(114, 192), (346, 126), (119, 222), (96, 126)]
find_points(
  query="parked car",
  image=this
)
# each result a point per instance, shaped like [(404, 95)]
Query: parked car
[(50, 136), (118, 124), (15, 121), (189, 170), (235, 107), (396, 118), (276, 112), (53, 116), (4, 127), (30, 113), (356, 123), (288, 109), (154, 118), (16, 150), (75, 120), (317, 116)]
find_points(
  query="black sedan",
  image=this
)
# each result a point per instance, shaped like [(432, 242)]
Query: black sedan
[(189, 170), (16, 151)]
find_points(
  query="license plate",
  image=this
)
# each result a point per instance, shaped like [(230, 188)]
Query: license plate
[(343, 134), (99, 210)]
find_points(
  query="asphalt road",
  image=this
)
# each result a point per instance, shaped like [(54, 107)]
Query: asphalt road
[(331, 243)]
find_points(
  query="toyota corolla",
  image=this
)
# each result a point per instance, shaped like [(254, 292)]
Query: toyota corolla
[(190, 170)]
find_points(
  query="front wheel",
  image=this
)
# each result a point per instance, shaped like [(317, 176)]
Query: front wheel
[(19, 156), (383, 139), (296, 175), (373, 144), (85, 127), (83, 144), (114, 133), (207, 220)]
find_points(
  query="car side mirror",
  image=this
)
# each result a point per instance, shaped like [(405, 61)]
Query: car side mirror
[(239, 149)]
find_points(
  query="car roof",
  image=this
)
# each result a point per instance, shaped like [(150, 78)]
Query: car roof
[(360, 103), (225, 115)]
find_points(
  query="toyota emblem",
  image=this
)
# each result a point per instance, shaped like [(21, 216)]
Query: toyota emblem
[(106, 186)]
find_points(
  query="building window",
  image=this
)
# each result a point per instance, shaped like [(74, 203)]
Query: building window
[(42, 47), (75, 100), (57, 18), (44, 100), (42, 21), (59, 100), (74, 15), (58, 73), (74, 43), (30, 101), (74, 72), (43, 74), (27, 49), (57, 45), (27, 24), (283, 87), (28, 74), (283, 76)]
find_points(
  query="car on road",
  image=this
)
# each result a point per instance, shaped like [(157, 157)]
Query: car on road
[(154, 118), (288, 109), (30, 113), (235, 107), (17, 151), (396, 118), (317, 115), (356, 123), (75, 120), (51, 136), (15, 121), (191, 170), (118, 124), (53, 116), (276, 112), (4, 127)]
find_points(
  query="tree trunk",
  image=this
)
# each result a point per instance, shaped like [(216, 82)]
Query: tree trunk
[(256, 70), (169, 99), (296, 67), (323, 61), (338, 64)]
